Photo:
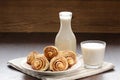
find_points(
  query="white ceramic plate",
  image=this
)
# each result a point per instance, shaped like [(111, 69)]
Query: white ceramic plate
[(28, 68)]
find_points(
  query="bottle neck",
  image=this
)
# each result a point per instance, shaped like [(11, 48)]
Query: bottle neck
[(65, 25)]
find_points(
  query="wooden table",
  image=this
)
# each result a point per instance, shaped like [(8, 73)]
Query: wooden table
[(14, 45)]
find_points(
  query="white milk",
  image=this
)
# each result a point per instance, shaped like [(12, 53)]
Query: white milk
[(65, 39), (93, 53)]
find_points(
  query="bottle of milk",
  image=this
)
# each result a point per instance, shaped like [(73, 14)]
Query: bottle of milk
[(65, 39)]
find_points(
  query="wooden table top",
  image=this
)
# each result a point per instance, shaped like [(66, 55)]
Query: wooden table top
[(14, 45)]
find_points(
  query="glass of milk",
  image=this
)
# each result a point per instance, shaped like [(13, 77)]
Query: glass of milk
[(93, 53)]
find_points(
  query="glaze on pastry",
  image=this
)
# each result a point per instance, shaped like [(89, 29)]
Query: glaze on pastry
[(50, 52)]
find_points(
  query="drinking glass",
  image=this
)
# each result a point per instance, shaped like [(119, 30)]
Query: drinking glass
[(93, 53)]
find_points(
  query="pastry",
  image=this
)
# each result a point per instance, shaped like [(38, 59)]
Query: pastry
[(31, 56), (70, 56), (40, 63), (58, 63), (50, 52)]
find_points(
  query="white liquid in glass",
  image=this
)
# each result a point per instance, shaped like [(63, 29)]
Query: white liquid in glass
[(93, 53)]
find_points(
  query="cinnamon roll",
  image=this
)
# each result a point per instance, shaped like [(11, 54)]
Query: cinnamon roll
[(50, 52), (31, 56), (58, 63), (70, 56), (40, 63)]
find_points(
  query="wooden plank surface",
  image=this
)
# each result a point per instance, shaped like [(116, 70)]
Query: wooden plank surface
[(92, 16)]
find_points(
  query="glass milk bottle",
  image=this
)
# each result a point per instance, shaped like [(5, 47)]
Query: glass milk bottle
[(65, 39)]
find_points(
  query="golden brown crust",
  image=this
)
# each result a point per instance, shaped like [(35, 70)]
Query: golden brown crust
[(50, 52), (58, 63), (40, 63), (31, 56), (70, 56), (51, 59)]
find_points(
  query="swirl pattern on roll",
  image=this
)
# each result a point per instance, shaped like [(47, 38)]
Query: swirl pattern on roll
[(40, 63), (58, 63), (50, 52), (31, 56), (70, 56)]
